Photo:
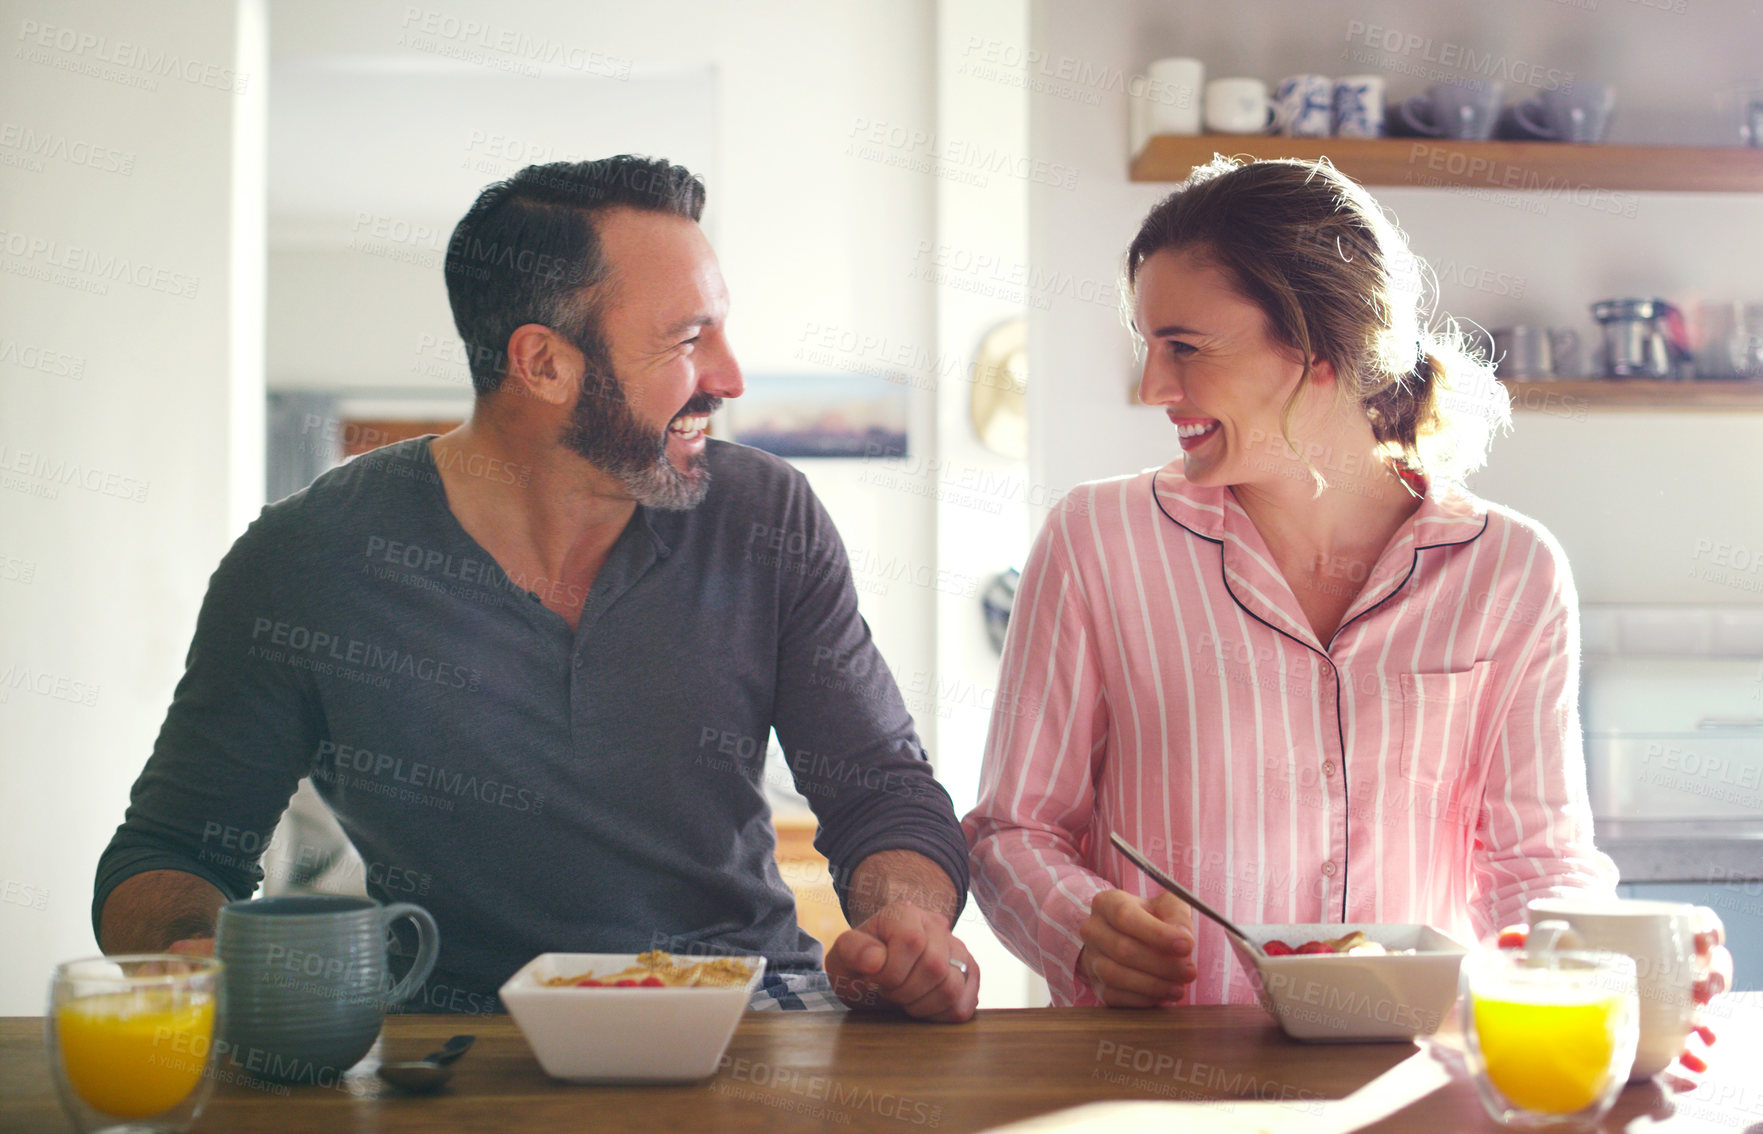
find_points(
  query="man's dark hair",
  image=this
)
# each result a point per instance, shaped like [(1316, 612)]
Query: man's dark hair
[(528, 248)]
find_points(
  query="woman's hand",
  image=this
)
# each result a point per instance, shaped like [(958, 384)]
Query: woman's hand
[(1137, 953)]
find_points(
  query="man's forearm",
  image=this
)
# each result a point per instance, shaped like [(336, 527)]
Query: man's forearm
[(900, 876), (149, 911)]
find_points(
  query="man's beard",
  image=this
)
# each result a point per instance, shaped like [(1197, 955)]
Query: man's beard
[(604, 431)]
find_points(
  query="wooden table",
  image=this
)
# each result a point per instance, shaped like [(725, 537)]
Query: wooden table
[(812, 1072)]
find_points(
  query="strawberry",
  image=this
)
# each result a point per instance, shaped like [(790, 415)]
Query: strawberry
[(1277, 949)]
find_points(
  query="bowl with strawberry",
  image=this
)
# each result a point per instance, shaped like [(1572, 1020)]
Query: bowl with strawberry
[(630, 1017), (1353, 983)]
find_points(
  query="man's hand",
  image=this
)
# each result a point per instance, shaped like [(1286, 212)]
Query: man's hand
[(193, 947), (160, 911), (907, 957), (1137, 953)]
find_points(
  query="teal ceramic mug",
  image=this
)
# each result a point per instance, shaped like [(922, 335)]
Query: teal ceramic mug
[(309, 981)]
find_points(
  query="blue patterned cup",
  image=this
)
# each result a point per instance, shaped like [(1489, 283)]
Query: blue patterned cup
[(1358, 106), (1303, 107)]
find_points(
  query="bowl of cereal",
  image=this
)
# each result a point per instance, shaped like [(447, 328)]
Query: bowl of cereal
[(1352, 983), (630, 1017)]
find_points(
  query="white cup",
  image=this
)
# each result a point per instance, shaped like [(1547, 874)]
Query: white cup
[(1172, 94), (1238, 106), (1661, 937)]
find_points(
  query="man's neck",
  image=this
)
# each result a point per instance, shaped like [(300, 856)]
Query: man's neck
[(541, 511)]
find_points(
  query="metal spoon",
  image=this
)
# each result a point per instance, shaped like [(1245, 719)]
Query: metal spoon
[(420, 1076), (1184, 893)]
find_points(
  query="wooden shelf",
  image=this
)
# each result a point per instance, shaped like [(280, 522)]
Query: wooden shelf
[(1547, 167), (1568, 398)]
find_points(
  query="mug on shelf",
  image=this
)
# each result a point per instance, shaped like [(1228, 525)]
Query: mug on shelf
[(1580, 113), (1452, 110), (1358, 106), (1238, 106), (1304, 106), (1530, 354)]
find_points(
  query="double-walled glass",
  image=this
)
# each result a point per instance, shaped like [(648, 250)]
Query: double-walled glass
[(132, 1040), (1551, 1033)]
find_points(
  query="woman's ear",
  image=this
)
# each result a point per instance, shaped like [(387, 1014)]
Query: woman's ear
[(1322, 372)]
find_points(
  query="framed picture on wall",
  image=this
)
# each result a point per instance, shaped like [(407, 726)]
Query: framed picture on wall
[(820, 415)]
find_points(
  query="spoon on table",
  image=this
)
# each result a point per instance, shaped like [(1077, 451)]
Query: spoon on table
[(420, 1076), (1184, 893)]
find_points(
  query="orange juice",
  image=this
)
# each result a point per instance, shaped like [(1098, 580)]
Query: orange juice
[(1550, 1051), (135, 1055)]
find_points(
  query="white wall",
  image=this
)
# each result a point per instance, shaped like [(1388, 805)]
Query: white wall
[(130, 415), (1629, 495)]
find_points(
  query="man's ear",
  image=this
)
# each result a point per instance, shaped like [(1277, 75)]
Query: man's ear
[(542, 364)]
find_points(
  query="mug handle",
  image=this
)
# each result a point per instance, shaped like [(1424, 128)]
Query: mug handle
[(1272, 115), (428, 947), (1416, 114), (1523, 113)]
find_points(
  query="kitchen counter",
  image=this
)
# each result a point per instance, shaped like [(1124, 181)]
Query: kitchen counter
[(1685, 850), (789, 1071)]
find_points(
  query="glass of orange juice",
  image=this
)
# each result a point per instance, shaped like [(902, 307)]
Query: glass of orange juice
[(131, 1040), (1551, 1032)]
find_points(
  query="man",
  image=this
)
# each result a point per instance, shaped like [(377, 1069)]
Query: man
[(534, 663)]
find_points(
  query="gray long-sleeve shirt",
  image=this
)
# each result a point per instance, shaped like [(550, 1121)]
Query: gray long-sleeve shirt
[(539, 789)]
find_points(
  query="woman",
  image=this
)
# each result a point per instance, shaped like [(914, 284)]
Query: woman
[(1300, 666)]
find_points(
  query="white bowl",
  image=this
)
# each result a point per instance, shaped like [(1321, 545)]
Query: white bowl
[(1345, 998), (623, 1035)]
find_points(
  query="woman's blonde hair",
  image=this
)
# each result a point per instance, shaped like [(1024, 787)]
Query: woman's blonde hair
[(1336, 281)]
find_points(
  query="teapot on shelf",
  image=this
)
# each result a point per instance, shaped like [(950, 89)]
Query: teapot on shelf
[(1642, 338)]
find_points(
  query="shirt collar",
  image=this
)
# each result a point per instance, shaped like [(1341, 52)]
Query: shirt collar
[(1448, 512)]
